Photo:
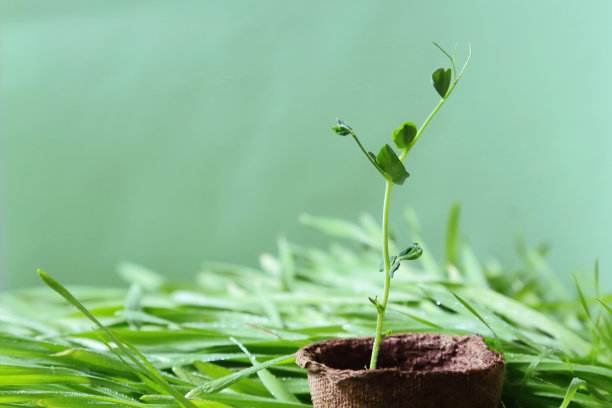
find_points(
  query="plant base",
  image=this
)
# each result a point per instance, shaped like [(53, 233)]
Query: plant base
[(416, 370)]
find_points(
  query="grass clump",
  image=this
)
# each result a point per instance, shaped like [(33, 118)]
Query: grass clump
[(227, 339)]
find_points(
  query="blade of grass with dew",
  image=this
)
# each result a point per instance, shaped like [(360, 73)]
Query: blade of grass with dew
[(571, 391), (244, 386), (518, 313), (224, 382), (130, 351), (64, 399), (469, 307), (236, 401), (44, 332), (273, 384)]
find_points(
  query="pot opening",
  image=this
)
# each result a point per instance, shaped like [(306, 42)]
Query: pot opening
[(424, 352)]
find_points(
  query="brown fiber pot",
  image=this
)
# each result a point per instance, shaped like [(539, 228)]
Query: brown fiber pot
[(416, 370)]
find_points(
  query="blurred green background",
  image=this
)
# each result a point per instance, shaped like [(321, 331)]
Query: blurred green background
[(170, 132)]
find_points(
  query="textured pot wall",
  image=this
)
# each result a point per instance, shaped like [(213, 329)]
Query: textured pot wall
[(416, 370)]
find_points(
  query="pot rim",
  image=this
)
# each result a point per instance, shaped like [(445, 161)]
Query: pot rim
[(306, 358)]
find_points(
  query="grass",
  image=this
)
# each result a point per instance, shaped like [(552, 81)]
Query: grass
[(227, 339)]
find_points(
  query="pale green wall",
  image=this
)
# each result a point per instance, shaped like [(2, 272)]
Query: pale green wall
[(169, 132)]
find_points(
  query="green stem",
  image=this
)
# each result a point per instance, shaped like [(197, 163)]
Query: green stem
[(367, 155), (437, 108), (424, 125), (383, 306)]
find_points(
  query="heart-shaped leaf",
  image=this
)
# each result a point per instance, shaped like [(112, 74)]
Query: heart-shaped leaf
[(441, 79), (391, 165), (404, 136)]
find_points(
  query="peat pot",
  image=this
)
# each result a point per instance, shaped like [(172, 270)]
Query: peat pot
[(415, 370)]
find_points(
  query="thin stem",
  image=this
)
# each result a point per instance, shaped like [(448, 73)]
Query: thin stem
[(367, 155), (424, 125), (383, 306), (437, 108), (452, 60)]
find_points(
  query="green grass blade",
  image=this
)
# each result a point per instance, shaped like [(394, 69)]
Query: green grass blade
[(479, 317), (597, 294), (571, 391), (471, 268), (340, 228), (287, 265), (129, 350), (235, 401), (244, 386), (276, 388), (222, 383), (184, 330), (534, 365), (452, 239), (583, 301), (416, 318), (138, 274), (64, 399), (608, 308)]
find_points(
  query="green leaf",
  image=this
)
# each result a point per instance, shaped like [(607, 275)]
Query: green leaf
[(342, 128), (146, 278), (381, 266), (479, 317), (411, 253), (571, 391), (391, 165), (583, 300), (246, 386), (394, 267), (376, 304), (452, 235), (224, 382), (404, 135), (126, 348), (273, 384), (441, 79), (604, 305)]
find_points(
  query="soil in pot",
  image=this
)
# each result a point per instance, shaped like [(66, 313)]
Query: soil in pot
[(414, 370)]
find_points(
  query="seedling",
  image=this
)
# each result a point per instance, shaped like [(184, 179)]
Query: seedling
[(391, 167)]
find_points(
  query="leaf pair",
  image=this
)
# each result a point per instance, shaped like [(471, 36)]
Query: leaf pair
[(376, 303), (414, 251), (386, 162), (342, 129)]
